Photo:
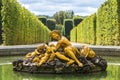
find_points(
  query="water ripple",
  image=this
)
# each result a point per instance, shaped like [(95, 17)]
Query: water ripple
[(5, 63)]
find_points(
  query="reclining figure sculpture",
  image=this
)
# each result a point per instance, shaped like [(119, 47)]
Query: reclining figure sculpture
[(60, 58)]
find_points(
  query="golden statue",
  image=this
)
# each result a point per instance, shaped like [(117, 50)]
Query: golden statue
[(36, 54), (46, 53), (52, 58), (87, 52), (65, 44), (49, 54), (32, 54)]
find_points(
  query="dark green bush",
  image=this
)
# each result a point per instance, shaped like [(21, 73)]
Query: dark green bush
[(68, 24), (43, 19), (77, 20), (51, 23)]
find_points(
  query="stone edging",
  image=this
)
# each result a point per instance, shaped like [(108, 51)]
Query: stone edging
[(24, 49)]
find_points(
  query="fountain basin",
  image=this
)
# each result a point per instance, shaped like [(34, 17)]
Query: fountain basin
[(57, 66)]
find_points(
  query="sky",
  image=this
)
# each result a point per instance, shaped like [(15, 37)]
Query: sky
[(50, 7)]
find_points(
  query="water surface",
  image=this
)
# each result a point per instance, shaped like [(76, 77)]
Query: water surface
[(112, 72)]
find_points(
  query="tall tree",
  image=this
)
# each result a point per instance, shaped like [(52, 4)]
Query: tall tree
[(69, 14), (61, 15)]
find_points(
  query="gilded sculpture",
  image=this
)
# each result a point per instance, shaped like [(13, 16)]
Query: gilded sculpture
[(61, 57)]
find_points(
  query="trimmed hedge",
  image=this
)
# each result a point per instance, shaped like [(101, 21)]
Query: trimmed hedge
[(68, 24), (77, 20), (43, 19), (0, 22), (102, 28), (51, 23), (73, 35), (108, 26), (20, 26), (86, 30), (60, 27)]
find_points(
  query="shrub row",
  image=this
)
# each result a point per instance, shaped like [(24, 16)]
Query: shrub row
[(65, 28), (0, 22), (68, 25), (43, 19), (77, 20), (73, 35), (108, 26), (51, 23), (20, 26), (102, 28), (86, 30)]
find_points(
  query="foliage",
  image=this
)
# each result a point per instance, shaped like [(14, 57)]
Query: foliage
[(86, 30), (61, 15), (77, 20), (60, 27), (73, 34), (43, 19), (20, 26), (102, 28), (51, 23), (0, 22), (68, 24), (108, 25)]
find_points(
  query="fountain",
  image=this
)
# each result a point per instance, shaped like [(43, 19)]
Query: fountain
[(61, 57)]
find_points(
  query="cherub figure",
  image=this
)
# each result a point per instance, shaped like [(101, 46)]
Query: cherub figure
[(31, 54), (37, 53), (65, 44), (87, 52), (49, 54), (34, 56)]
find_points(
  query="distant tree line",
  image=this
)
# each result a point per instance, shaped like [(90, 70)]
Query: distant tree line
[(63, 21)]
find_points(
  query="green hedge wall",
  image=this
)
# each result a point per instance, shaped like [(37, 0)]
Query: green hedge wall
[(68, 25), (108, 26), (60, 27), (117, 41), (20, 26), (0, 22), (51, 23), (102, 28), (86, 30), (73, 34), (43, 19), (104, 24), (77, 20)]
